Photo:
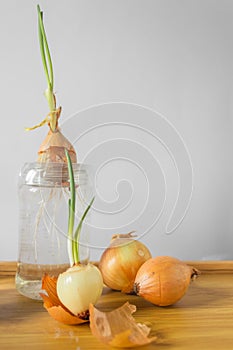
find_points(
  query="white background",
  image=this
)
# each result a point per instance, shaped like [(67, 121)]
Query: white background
[(174, 57)]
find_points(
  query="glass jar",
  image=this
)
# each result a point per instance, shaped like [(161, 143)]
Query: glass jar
[(43, 191)]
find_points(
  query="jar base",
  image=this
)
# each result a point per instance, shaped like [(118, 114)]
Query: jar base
[(30, 289), (28, 278)]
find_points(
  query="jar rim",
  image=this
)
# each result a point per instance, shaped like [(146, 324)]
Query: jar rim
[(53, 174)]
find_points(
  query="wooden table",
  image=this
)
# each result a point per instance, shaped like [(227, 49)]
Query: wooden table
[(202, 320)]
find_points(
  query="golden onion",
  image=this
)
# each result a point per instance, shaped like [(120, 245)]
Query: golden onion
[(163, 280), (120, 262)]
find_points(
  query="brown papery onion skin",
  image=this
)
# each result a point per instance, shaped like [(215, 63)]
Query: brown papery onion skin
[(163, 280), (53, 148), (120, 262)]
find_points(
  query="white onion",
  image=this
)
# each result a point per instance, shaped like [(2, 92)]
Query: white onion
[(79, 286)]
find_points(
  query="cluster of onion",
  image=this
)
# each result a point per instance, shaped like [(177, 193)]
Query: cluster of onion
[(127, 265)]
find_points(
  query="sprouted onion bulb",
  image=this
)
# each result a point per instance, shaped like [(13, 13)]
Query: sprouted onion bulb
[(120, 262), (53, 147), (82, 284), (163, 280)]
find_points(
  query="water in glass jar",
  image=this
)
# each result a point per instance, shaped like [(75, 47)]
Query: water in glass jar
[(43, 221)]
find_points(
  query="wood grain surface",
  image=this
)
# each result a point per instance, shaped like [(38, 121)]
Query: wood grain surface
[(201, 320), (9, 267)]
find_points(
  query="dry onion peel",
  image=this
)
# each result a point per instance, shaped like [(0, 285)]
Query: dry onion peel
[(53, 305), (163, 280), (118, 328), (120, 262)]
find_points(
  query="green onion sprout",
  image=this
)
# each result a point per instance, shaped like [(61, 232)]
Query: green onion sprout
[(48, 68), (74, 236)]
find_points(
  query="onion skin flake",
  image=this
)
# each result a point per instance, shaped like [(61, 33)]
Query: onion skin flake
[(118, 328)]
